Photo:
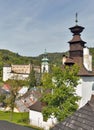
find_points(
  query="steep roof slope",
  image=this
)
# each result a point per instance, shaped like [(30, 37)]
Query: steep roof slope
[(82, 119)]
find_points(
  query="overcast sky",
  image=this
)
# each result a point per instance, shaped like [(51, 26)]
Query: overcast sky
[(28, 27)]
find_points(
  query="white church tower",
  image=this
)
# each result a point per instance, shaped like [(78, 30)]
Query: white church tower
[(45, 63)]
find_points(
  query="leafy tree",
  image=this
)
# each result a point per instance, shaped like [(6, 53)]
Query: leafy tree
[(3, 99), (32, 79), (59, 92), (14, 84)]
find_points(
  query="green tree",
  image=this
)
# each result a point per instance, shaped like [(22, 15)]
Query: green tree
[(32, 79), (14, 84), (3, 99), (59, 92)]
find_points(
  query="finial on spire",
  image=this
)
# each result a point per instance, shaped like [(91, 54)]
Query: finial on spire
[(45, 52), (76, 20)]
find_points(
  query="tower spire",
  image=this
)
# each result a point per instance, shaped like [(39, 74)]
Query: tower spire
[(45, 52), (45, 63), (76, 18)]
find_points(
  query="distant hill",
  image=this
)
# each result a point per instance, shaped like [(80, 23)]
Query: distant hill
[(8, 57)]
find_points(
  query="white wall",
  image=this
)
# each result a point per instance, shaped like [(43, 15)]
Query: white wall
[(36, 119), (84, 89), (46, 66), (87, 59), (6, 73)]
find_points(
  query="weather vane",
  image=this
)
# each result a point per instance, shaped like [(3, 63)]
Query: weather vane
[(76, 20)]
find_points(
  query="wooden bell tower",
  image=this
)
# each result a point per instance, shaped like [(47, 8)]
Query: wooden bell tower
[(76, 44)]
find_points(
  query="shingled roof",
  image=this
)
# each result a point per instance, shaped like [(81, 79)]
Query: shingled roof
[(82, 119), (5, 125), (37, 106)]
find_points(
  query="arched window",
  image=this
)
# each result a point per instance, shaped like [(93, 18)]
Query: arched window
[(44, 69)]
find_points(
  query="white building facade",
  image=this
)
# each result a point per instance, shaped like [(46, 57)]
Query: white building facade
[(20, 71), (36, 117), (85, 89)]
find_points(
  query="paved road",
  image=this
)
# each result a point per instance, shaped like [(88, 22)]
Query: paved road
[(5, 125)]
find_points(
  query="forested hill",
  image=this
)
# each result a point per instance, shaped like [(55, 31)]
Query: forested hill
[(8, 57), (56, 58)]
